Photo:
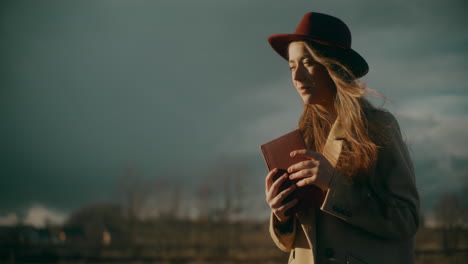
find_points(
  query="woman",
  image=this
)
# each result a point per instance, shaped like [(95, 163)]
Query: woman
[(355, 154)]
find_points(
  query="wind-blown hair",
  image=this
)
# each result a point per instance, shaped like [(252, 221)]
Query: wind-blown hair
[(359, 150)]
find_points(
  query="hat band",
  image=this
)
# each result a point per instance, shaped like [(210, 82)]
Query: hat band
[(320, 40), (330, 44)]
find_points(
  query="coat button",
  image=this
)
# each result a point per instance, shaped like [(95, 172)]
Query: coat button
[(329, 253)]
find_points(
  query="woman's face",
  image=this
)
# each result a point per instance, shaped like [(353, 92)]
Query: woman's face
[(311, 79)]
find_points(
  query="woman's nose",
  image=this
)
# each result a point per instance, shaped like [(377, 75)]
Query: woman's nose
[(298, 74)]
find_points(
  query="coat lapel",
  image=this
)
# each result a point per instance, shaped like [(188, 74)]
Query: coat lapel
[(331, 151), (334, 143)]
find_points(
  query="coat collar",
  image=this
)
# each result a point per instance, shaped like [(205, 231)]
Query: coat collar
[(334, 143), (336, 131)]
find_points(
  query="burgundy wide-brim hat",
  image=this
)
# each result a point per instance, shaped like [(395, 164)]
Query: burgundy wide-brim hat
[(329, 36)]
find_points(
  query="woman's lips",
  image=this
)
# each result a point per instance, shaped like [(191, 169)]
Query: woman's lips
[(304, 89)]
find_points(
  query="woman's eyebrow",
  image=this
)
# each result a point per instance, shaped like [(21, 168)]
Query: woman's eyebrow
[(307, 56)]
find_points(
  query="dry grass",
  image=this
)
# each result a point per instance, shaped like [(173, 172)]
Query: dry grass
[(220, 243)]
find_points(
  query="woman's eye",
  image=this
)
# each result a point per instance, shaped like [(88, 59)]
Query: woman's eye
[(291, 68)]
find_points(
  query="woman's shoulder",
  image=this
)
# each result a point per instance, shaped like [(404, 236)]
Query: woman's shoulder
[(382, 125), (379, 117)]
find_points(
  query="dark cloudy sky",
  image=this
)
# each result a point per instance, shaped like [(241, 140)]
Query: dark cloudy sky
[(177, 88)]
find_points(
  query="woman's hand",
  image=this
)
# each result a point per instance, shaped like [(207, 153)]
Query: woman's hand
[(275, 199), (316, 170)]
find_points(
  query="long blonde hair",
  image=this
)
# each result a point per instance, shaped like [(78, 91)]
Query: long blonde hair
[(359, 150)]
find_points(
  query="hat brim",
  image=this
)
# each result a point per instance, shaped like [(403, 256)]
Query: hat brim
[(348, 57)]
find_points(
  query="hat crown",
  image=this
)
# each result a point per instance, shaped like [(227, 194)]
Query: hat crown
[(326, 34), (325, 28)]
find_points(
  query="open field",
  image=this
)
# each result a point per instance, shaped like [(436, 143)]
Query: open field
[(194, 243)]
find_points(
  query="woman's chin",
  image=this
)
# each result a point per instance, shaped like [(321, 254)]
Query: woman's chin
[(308, 99)]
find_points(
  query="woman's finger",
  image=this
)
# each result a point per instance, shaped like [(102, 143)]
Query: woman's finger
[(304, 152), (269, 179), (303, 174), (306, 164), (278, 200), (306, 181), (275, 187), (282, 209)]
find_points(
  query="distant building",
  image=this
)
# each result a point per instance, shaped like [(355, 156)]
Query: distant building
[(72, 235), (106, 238)]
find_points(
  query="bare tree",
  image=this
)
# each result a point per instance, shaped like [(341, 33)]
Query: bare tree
[(170, 201), (97, 218), (464, 197), (204, 198), (448, 213), (230, 173), (133, 191)]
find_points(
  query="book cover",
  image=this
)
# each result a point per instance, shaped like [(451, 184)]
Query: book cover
[(276, 155)]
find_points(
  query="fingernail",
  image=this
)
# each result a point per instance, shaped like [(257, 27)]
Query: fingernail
[(291, 154)]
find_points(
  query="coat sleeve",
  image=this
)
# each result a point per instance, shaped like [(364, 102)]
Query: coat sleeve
[(284, 240), (386, 203)]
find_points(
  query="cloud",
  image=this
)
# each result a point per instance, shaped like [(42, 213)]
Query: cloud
[(436, 125), (10, 219), (277, 108), (435, 130), (93, 106), (39, 216), (418, 77)]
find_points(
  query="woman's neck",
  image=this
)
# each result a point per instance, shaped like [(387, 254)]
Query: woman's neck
[(330, 110)]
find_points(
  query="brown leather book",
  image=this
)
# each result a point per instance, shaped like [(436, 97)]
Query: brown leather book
[(276, 155)]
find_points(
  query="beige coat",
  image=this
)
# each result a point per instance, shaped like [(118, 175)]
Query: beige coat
[(371, 223)]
